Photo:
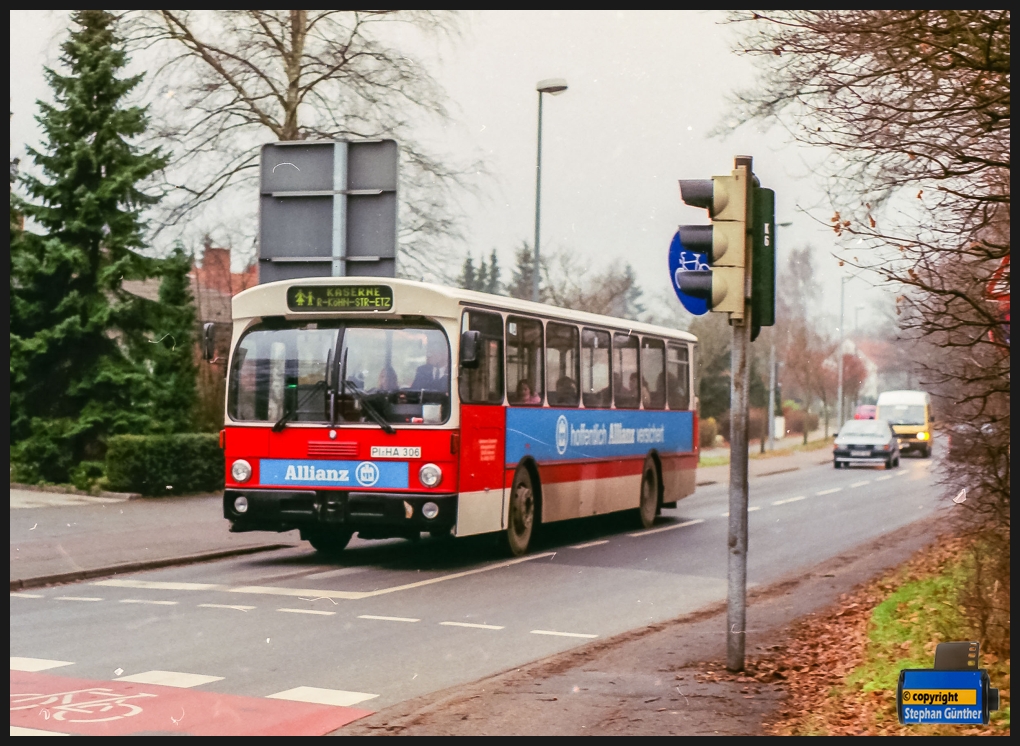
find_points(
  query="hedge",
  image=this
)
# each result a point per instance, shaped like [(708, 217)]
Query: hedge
[(164, 464)]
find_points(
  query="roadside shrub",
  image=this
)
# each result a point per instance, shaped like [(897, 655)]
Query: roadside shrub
[(756, 427), (165, 464), (86, 474), (797, 420), (707, 432)]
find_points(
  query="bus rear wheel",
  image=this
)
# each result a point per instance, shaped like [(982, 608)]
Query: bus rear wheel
[(649, 505), (330, 542), (522, 513)]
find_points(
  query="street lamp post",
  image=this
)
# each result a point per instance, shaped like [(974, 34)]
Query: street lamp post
[(839, 352), (555, 86)]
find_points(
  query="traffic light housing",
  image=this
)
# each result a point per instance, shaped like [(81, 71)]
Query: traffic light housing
[(724, 243)]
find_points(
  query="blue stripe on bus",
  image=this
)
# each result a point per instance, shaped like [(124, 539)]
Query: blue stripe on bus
[(570, 434)]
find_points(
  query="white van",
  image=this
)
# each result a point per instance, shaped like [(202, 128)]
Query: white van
[(909, 413)]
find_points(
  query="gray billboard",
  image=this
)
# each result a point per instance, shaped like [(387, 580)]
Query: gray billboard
[(328, 209)]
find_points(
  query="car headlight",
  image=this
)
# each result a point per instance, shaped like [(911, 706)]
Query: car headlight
[(430, 475), (923, 436), (240, 470)]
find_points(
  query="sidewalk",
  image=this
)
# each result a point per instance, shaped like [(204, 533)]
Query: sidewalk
[(763, 467), (650, 681), (65, 537)]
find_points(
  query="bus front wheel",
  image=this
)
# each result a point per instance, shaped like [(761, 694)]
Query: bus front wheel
[(522, 512)]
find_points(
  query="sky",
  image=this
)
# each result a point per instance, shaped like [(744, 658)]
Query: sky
[(645, 90)]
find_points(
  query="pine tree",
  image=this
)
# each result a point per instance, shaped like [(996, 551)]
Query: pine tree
[(523, 272), (79, 368), (468, 274), (493, 283), (483, 276), (175, 398)]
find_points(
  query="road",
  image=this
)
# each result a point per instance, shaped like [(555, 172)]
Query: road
[(392, 620)]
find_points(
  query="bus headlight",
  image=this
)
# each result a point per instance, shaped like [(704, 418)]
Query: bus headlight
[(430, 475), (923, 436), (430, 510), (240, 470), (241, 504)]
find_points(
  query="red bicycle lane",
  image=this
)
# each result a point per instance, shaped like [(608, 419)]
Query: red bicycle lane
[(59, 704)]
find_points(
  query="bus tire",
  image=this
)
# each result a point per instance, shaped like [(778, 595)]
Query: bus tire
[(522, 513), (330, 542), (649, 505)]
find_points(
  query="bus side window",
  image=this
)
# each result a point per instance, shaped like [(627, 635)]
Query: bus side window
[(595, 369), (626, 388), (484, 384), (523, 361), (678, 378), (653, 373), (561, 355)]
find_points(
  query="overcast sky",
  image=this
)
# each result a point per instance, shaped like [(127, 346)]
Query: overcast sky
[(645, 89)]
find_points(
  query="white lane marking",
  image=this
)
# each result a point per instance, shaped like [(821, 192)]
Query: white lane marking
[(32, 665), (860, 484), (829, 492), (27, 595), (226, 606), (388, 618), (358, 595), (882, 479), (147, 601), (158, 585), (308, 611), (471, 626), (754, 508), (790, 500), (666, 528), (176, 679), (17, 730), (726, 514), (335, 573), (78, 598), (590, 544), (560, 634), (317, 696)]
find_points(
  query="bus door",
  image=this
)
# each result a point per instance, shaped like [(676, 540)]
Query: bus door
[(483, 430)]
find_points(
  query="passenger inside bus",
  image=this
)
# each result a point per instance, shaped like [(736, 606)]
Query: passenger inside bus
[(566, 392), (525, 396), (433, 375), (387, 380)]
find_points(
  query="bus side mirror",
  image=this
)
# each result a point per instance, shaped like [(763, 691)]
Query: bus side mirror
[(469, 349), (208, 341)]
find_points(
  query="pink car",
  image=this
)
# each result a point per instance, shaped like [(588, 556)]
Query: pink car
[(865, 412)]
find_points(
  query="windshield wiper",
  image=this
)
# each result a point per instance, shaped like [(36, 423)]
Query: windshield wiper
[(289, 412), (369, 409)]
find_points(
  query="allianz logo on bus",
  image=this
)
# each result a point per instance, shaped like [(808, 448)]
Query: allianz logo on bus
[(366, 473), (600, 435)]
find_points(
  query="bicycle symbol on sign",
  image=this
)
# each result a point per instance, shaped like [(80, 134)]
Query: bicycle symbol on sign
[(89, 705)]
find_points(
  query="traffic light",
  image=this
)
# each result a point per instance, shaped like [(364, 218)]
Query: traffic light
[(724, 243)]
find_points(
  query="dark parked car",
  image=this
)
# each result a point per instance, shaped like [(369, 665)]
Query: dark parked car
[(866, 442)]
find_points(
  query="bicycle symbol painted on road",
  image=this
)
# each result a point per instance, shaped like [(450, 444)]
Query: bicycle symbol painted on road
[(81, 705)]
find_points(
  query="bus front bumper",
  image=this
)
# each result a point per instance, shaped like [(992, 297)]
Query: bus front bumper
[(371, 513)]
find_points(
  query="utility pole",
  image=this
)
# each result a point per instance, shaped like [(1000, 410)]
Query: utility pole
[(839, 361)]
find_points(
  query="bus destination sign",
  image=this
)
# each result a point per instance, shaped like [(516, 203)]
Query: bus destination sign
[(340, 298)]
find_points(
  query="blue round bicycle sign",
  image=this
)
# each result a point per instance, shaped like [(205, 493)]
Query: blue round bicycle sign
[(683, 260)]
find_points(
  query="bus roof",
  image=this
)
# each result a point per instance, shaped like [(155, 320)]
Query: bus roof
[(424, 299)]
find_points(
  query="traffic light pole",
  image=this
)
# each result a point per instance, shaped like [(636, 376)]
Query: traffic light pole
[(736, 570)]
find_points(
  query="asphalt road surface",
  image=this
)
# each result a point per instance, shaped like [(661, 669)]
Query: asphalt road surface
[(232, 646)]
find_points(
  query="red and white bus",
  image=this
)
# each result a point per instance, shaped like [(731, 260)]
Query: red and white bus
[(390, 408)]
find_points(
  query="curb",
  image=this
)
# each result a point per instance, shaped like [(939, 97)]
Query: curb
[(100, 572), (73, 491)]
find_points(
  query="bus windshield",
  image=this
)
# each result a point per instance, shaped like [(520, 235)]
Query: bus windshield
[(902, 414), (401, 371)]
